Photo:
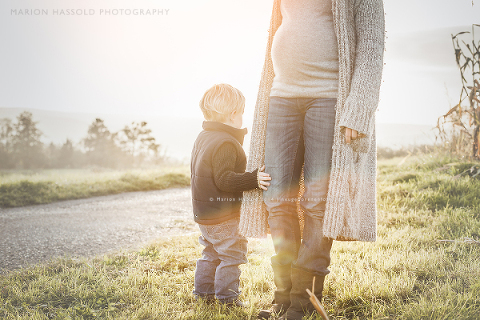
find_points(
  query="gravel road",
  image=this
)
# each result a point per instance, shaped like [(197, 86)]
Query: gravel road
[(91, 226)]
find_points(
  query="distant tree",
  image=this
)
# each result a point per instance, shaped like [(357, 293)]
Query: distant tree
[(51, 155), (27, 146), (137, 141), (6, 144), (66, 155), (100, 145)]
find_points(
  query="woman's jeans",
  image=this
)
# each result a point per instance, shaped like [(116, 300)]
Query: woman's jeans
[(218, 271), (299, 132)]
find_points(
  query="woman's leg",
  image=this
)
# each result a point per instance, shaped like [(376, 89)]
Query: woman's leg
[(283, 161), (314, 252)]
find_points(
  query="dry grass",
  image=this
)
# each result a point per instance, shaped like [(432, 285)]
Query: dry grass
[(406, 274)]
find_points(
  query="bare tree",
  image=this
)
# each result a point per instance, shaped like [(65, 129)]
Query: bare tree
[(137, 140)]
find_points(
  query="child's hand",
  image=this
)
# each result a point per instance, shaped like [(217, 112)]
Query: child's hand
[(262, 178)]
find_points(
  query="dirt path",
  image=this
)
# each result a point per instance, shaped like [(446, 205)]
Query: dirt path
[(91, 226)]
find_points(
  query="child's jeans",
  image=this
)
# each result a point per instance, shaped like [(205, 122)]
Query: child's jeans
[(218, 271)]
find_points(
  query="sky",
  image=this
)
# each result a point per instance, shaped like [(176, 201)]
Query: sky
[(103, 60)]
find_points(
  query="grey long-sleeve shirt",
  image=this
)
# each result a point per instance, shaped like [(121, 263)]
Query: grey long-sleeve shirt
[(305, 51)]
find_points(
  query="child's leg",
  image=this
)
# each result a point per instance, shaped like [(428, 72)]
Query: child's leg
[(231, 248), (205, 271)]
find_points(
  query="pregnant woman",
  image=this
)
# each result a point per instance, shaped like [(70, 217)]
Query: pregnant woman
[(314, 129)]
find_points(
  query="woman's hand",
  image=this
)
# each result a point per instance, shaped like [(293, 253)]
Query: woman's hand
[(351, 134), (262, 178)]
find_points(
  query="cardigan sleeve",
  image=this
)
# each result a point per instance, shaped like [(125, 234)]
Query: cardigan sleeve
[(362, 100), (224, 175)]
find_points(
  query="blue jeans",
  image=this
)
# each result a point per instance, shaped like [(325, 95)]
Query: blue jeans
[(218, 271), (299, 132)]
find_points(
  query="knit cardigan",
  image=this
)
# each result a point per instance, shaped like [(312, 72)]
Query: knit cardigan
[(351, 205)]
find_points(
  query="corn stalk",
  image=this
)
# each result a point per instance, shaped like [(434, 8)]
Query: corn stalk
[(459, 128)]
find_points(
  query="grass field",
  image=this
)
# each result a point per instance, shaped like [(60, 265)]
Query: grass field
[(407, 274), (21, 188)]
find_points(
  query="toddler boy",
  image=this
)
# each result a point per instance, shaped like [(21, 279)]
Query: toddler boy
[(218, 179)]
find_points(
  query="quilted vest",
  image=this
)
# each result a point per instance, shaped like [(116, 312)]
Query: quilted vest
[(210, 204)]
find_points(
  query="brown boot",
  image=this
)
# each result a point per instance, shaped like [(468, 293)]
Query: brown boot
[(300, 300), (275, 310), (283, 283)]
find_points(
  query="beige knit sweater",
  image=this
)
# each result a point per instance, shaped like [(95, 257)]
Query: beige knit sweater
[(351, 207)]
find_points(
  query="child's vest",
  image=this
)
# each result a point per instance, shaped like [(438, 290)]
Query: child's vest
[(210, 204)]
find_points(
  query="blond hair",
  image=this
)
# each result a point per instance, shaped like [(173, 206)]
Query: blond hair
[(220, 100)]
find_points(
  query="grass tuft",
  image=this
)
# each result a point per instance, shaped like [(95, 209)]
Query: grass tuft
[(406, 274), (29, 188)]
